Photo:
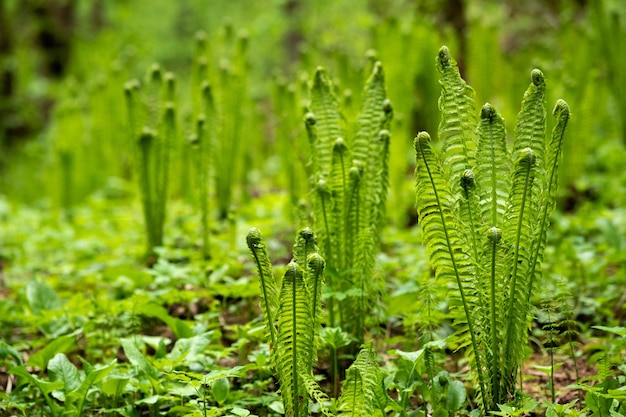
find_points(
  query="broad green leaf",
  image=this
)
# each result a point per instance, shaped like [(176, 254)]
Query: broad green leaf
[(41, 297), (59, 345), (241, 412), (620, 331), (8, 350), (456, 395), (95, 376), (114, 386), (220, 390), (61, 369), (179, 327), (46, 387), (137, 358)]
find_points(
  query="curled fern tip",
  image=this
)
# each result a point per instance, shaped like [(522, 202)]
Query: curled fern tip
[(537, 77), (253, 238), (487, 112)]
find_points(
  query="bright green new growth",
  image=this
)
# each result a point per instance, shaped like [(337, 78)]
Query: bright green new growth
[(152, 122), (349, 183), (291, 315), (484, 212)]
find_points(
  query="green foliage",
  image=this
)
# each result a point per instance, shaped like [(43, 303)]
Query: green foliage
[(349, 183), (291, 314), (484, 213)]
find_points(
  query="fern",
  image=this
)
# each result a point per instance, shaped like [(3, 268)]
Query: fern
[(363, 392), (152, 122), (349, 183), (292, 318), (484, 213), (269, 291)]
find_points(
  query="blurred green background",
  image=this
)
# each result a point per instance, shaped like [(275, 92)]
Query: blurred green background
[(63, 64)]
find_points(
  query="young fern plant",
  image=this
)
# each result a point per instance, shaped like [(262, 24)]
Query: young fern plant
[(349, 187), (292, 317), (152, 125), (484, 211)]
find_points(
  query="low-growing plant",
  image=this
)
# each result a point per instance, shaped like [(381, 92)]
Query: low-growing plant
[(152, 125), (349, 188), (484, 211)]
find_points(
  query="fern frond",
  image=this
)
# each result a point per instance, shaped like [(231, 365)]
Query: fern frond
[(314, 278), (304, 245), (324, 106), (458, 118), (371, 116), (293, 340), (435, 212), (269, 292), (530, 129), (338, 185), (363, 389), (493, 166), (519, 221), (315, 392), (549, 189)]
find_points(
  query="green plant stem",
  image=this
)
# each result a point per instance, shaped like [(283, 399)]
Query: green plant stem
[(294, 329), (268, 311), (329, 255), (495, 357), (334, 371)]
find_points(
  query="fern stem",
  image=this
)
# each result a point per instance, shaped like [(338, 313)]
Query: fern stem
[(328, 254), (423, 136), (495, 235), (294, 350)]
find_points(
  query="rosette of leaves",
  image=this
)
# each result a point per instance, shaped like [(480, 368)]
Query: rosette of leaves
[(484, 210)]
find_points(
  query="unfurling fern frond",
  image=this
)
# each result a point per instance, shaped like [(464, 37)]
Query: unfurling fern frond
[(269, 291), (493, 166), (547, 201), (458, 118), (350, 179), (292, 318), (363, 391)]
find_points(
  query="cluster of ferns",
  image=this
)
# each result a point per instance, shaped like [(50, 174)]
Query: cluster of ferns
[(484, 210)]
